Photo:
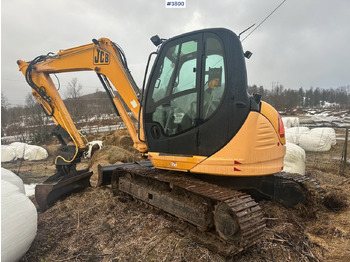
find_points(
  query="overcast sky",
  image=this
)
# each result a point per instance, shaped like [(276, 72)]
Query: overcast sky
[(304, 43)]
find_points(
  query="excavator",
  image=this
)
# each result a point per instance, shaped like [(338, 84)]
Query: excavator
[(210, 146)]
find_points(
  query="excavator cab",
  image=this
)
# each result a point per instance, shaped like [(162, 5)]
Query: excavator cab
[(197, 102), (197, 96)]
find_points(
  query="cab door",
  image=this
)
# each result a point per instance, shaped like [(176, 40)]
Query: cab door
[(225, 103), (171, 110)]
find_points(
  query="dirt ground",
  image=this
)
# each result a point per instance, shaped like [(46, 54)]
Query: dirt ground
[(94, 225)]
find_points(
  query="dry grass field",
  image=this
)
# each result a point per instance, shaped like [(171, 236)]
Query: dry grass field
[(94, 225)]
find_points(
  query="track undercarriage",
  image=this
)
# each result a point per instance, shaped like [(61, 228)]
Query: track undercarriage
[(231, 219), (222, 218)]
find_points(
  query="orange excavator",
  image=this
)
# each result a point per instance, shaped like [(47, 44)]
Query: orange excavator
[(209, 144)]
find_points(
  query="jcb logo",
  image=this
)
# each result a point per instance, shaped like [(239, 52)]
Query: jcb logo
[(100, 57)]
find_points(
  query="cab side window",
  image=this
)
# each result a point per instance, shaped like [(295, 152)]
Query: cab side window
[(214, 78), (175, 94)]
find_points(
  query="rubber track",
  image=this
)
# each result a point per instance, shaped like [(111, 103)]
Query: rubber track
[(248, 212), (310, 185)]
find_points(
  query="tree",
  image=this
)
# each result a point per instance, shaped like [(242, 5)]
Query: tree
[(301, 95), (74, 104), (73, 89), (278, 96), (4, 115), (317, 97), (261, 91), (4, 101), (252, 89), (30, 102), (291, 99), (36, 121), (309, 94)]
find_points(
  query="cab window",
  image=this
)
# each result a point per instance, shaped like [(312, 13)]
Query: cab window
[(214, 78), (188, 91), (175, 94)]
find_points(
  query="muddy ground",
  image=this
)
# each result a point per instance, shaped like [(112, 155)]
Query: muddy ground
[(94, 225)]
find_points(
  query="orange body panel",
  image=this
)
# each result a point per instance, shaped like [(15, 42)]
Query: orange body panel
[(255, 150), (272, 115)]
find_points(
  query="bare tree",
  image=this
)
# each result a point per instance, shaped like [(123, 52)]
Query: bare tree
[(4, 101), (4, 115), (37, 123), (30, 101), (73, 103), (73, 89)]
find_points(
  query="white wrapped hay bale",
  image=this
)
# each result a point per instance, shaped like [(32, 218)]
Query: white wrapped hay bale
[(293, 134), (18, 218), (35, 153), (294, 160), (8, 154), (9, 176), (19, 149), (318, 139), (327, 132), (29, 152)]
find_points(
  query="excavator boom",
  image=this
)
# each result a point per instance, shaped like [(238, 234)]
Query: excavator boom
[(106, 59), (102, 56)]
